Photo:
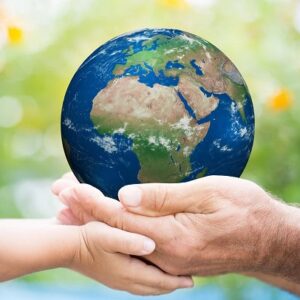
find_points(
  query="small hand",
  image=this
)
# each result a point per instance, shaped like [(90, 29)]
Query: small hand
[(105, 254)]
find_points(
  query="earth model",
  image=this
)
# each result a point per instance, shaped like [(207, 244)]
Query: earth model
[(156, 105)]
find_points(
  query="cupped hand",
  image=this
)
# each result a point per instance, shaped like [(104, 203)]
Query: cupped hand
[(209, 226), (106, 254)]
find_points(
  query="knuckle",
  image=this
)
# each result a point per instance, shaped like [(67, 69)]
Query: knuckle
[(81, 216), (77, 212), (119, 221), (77, 191), (160, 197)]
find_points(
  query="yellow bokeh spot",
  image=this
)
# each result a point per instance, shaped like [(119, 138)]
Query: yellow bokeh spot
[(178, 4), (14, 35), (282, 100)]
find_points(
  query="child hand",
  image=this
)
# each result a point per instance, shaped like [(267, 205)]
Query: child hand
[(104, 255)]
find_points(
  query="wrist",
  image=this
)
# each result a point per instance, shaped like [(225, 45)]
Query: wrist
[(56, 246), (282, 257), (82, 255), (68, 242), (35, 245)]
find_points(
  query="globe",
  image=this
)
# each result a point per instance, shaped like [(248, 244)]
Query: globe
[(156, 105)]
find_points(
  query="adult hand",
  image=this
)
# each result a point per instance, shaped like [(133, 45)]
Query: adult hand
[(208, 226)]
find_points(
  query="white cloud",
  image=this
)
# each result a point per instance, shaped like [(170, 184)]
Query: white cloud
[(186, 151), (184, 124), (69, 124), (160, 141), (121, 129), (243, 131), (107, 143), (165, 142), (225, 149), (217, 143)]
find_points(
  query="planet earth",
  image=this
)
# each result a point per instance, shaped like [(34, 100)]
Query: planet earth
[(156, 105)]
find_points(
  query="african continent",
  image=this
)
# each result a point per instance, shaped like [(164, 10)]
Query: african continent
[(157, 121)]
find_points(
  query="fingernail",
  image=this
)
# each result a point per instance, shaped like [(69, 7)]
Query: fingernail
[(131, 195), (187, 282), (149, 246)]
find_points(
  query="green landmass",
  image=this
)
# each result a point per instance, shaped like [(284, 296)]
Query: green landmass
[(167, 163), (184, 50), (163, 151)]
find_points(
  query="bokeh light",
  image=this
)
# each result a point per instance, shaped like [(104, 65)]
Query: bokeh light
[(11, 111)]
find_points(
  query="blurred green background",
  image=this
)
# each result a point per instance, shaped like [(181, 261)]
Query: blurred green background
[(42, 43)]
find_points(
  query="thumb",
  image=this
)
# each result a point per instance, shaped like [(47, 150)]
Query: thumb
[(157, 199)]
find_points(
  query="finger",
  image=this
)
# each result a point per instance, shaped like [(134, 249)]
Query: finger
[(67, 198), (85, 200), (148, 275), (59, 185), (158, 199), (116, 240), (142, 290), (66, 217)]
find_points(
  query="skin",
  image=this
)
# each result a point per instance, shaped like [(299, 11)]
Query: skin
[(209, 226), (96, 250)]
